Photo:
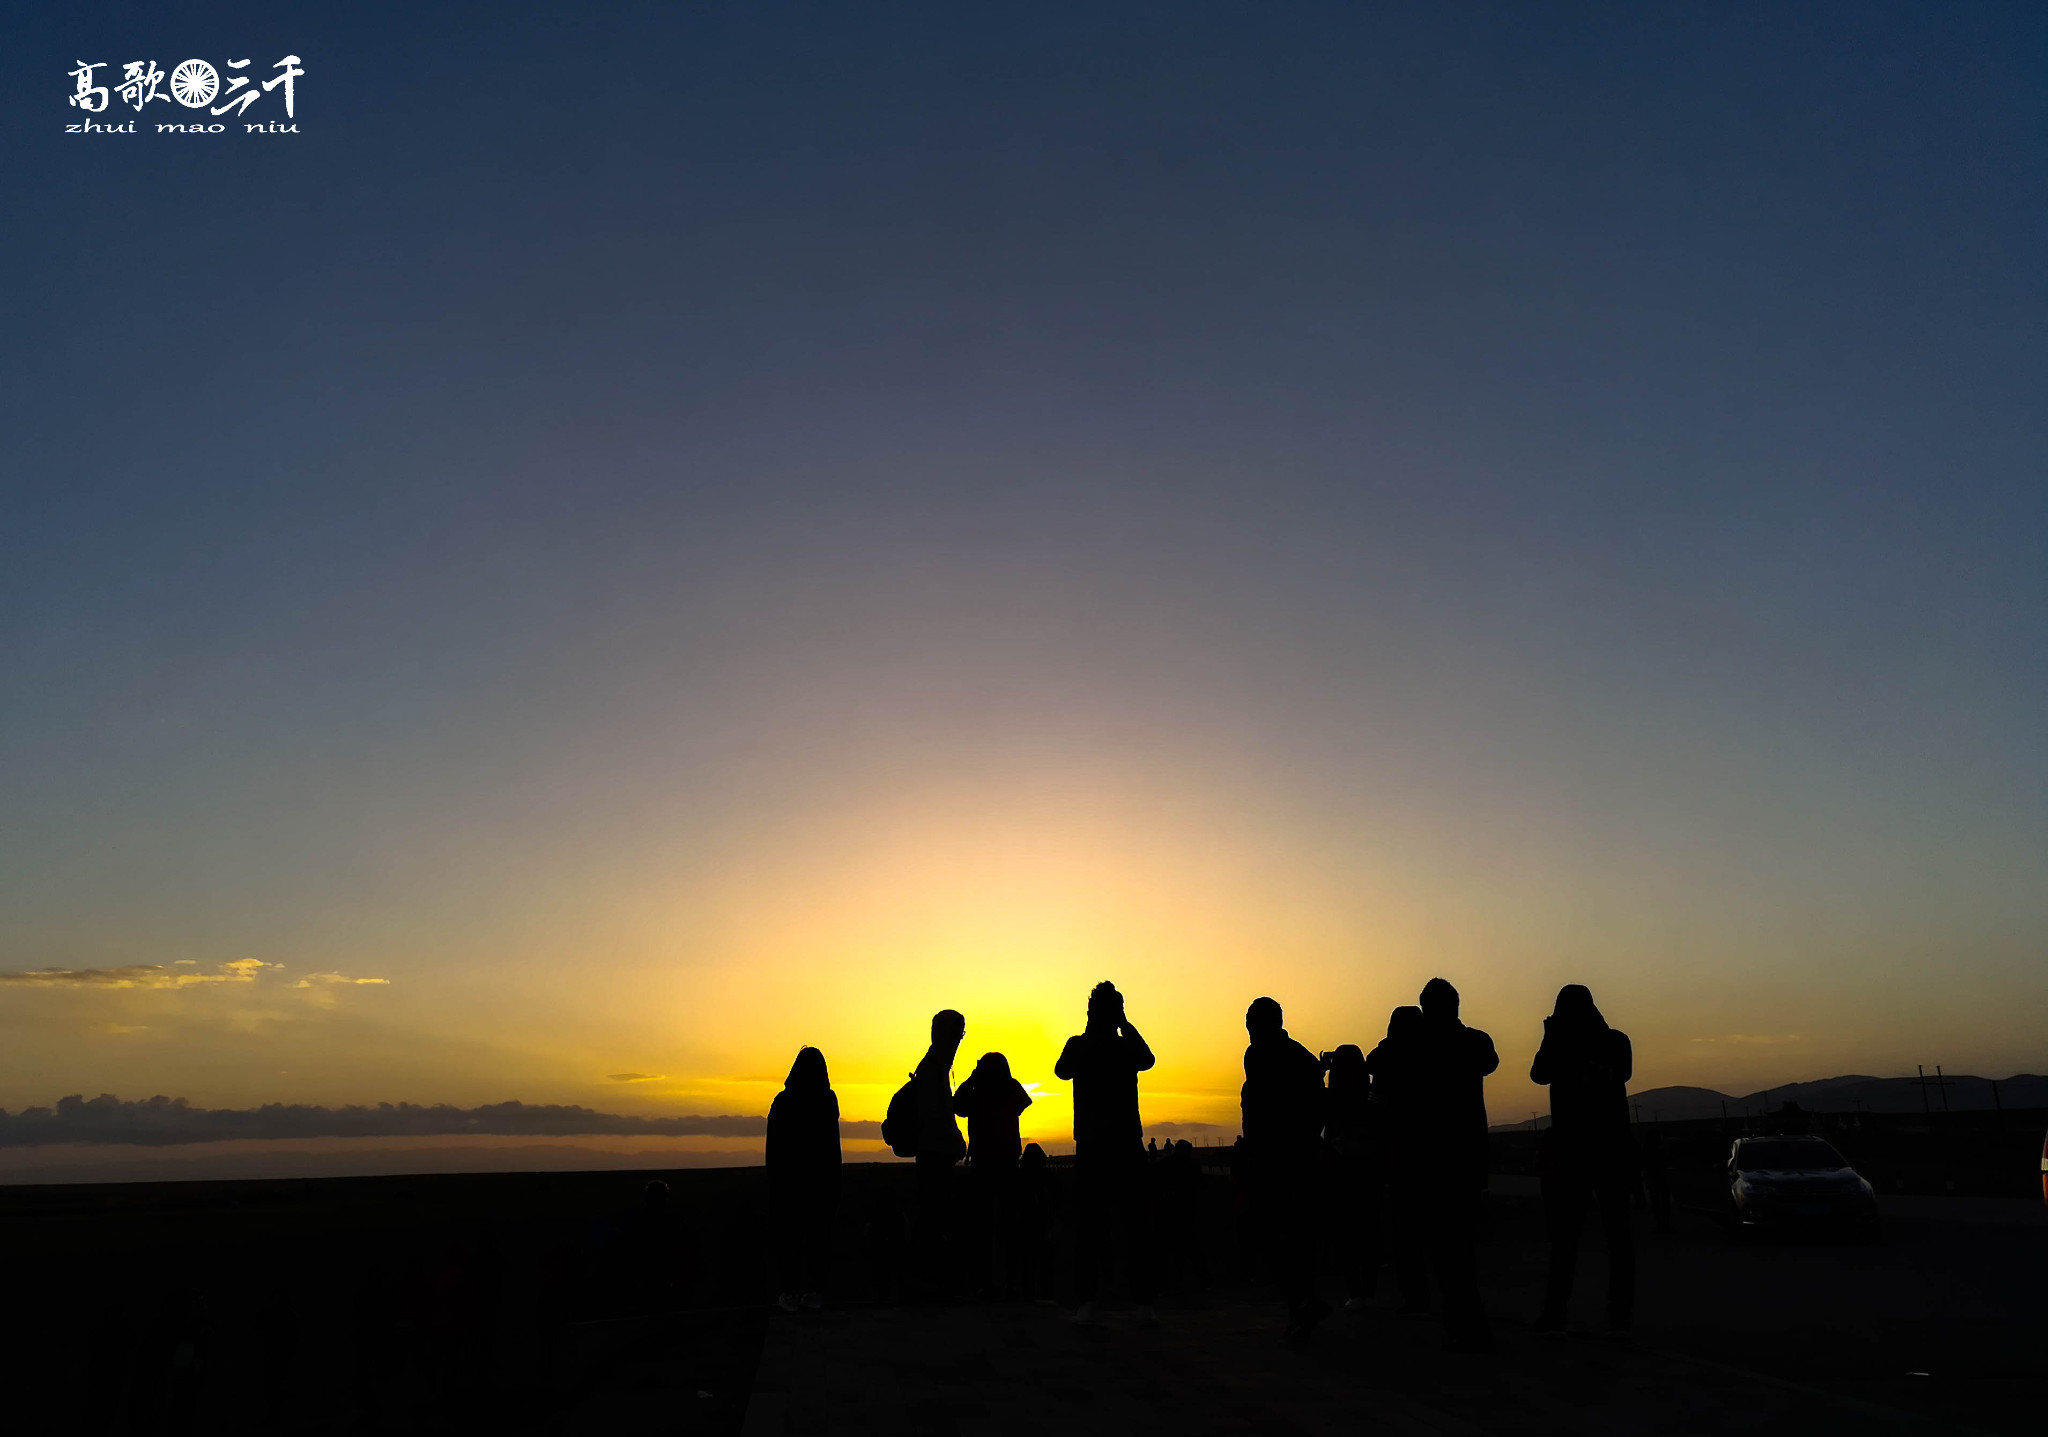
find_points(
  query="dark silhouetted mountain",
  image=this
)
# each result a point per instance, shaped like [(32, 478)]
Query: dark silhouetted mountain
[(159, 1121), (1850, 1093), (1670, 1105), (1858, 1093)]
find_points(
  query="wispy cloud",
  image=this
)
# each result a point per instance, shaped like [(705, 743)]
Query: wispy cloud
[(1752, 1038), (139, 975), (177, 974), (634, 1077), (162, 1122)]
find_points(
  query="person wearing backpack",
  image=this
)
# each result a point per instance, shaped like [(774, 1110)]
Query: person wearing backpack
[(939, 1147)]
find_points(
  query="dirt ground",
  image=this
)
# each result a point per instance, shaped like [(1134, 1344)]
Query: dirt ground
[(557, 1304), (1935, 1328)]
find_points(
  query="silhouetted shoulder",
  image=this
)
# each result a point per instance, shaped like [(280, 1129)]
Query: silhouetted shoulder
[(1070, 1060)]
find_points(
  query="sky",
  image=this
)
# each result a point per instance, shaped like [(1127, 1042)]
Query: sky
[(635, 541)]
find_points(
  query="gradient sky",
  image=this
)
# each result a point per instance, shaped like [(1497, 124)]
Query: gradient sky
[(674, 534)]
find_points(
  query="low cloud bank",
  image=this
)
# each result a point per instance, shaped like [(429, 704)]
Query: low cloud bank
[(163, 1122)]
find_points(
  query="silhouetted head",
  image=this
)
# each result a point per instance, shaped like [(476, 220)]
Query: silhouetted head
[(1404, 1022), (992, 1065), (1034, 1156), (1347, 1069), (948, 1026), (1439, 1001), (1575, 1010), (808, 1073), (1183, 1146), (654, 1197), (1105, 1005), (1263, 1017)]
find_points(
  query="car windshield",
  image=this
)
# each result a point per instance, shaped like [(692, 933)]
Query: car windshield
[(1787, 1157)]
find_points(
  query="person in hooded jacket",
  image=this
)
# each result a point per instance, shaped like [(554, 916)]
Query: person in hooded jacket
[(939, 1147), (803, 1179), (991, 1100), (1587, 1159)]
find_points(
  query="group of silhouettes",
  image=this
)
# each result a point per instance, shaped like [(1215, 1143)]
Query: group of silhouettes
[(1380, 1156)]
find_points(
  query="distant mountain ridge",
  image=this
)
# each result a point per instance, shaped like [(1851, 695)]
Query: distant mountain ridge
[(1850, 1093)]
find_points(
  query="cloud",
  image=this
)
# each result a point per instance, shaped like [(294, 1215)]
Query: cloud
[(1752, 1038), (634, 1077), (182, 973), (138, 975), (165, 1122)]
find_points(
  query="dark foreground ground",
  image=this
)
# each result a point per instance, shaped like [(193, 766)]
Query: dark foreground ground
[(558, 1303)]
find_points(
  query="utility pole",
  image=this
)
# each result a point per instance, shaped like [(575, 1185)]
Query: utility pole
[(1937, 1081)]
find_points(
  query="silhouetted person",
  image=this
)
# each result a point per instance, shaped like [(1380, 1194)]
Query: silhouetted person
[(1103, 1062), (1587, 1158), (1395, 1066), (1357, 1183), (1442, 1175), (991, 1100), (939, 1147), (1283, 1102), (803, 1179)]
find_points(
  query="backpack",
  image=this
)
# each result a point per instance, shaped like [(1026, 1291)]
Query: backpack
[(899, 1126)]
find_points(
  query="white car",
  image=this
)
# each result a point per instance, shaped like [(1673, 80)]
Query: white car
[(1796, 1182)]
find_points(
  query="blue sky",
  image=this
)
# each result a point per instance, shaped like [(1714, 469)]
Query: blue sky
[(1537, 493)]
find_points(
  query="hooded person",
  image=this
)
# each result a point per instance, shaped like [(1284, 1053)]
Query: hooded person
[(803, 1177), (1283, 1113), (1394, 1065), (1587, 1066), (991, 1100), (1442, 1180), (1586, 1159), (1103, 1062)]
